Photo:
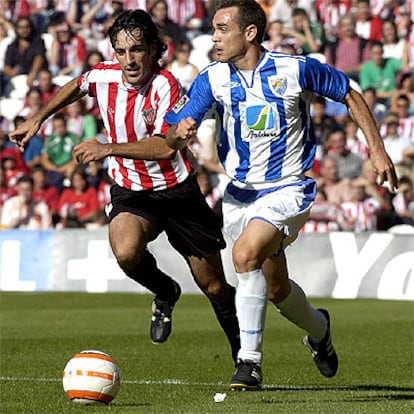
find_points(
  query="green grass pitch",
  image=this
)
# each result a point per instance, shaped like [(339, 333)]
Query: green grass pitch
[(39, 333)]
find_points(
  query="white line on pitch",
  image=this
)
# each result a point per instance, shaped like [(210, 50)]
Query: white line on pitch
[(145, 382)]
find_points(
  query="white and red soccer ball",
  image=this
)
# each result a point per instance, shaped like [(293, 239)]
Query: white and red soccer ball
[(91, 377)]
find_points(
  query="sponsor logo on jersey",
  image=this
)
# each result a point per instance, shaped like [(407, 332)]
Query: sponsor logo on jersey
[(260, 117), (277, 85), (149, 116), (179, 105), (260, 120)]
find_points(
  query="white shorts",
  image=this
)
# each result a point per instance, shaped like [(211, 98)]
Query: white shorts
[(285, 207)]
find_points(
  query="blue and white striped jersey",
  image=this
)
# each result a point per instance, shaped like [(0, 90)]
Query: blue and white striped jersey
[(267, 135)]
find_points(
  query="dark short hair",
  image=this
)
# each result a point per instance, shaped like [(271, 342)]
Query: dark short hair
[(25, 179), (130, 20), (249, 13)]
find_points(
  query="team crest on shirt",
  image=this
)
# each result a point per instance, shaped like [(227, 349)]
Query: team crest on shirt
[(149, 116), (179, 105), (84, 82), (277, 85)]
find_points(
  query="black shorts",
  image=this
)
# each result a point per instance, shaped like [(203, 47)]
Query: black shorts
[(182, 212)]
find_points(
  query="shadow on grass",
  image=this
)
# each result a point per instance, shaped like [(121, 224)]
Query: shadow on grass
[(383, 392)]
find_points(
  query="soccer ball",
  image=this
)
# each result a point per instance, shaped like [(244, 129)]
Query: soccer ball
[(91, 377)]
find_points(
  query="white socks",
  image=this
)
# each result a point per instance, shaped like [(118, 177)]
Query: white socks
[(251, 303), (298, 310)]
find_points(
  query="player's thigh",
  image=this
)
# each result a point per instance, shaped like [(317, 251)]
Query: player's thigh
[(129, 235)]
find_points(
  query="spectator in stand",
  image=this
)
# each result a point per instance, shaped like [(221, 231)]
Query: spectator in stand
[(32, 102), (78, 205), (43, 192), (367, 26), (378, 109), (369, 179), (349, 164), (57, 156), (46, 85), (395, 144), (380, 73), (172, 32), (348, 51), (32, 153), (5, 191), (324, 216), (36, 10), (394, 46), (95, 23), (181, 67), (403, 202), (405, 86), (275, 36), (282, 10), (337, 190), (328, 13), (353, 143), (93, 57), (406, 121), (31, 105), (68, 51), (170, 29), (14, 167), (309, 36), (360, 212), (26, 55), (188, 14), (323, 124), (7, 35), (22, 211), (79, 121)]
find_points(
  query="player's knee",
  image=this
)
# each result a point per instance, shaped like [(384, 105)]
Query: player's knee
[(214, 289), (245, 259), (126, 258)]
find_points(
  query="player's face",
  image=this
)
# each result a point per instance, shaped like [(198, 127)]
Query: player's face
[(134, 56), (229, 41)]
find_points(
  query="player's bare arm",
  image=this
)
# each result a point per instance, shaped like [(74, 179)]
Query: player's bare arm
[(379, 157), (66, 95), (178, 135), (151, 149)]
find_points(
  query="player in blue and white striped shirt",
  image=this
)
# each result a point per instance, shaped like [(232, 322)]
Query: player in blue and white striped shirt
[(267, 146)]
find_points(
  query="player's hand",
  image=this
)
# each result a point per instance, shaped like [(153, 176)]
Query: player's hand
[(26, 130), (186, 129), (385, 170), (90, 150), (180, 134)]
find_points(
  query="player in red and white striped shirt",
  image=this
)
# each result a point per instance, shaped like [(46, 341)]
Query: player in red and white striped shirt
[(155, 187)]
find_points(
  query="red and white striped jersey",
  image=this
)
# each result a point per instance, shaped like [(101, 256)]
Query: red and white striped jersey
[(129, 115), (357, 147), (361, 214), (406, 128), (329, 12), (316, 226)]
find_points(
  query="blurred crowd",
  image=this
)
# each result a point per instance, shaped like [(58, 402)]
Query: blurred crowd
[(45, 43)]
